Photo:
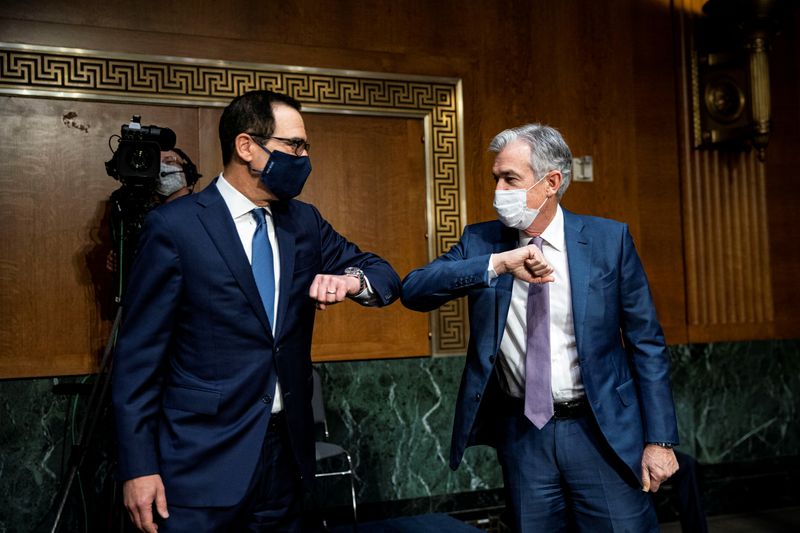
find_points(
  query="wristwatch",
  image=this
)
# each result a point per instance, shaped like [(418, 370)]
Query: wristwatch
[(357, 273), (667, 445)]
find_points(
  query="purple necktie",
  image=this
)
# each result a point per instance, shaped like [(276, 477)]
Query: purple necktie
[(538, 392)]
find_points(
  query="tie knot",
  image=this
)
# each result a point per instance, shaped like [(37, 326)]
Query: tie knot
[(258, 215), (538, 241)]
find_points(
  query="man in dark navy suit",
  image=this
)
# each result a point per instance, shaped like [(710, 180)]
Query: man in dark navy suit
[(567, 372), (212, 376)]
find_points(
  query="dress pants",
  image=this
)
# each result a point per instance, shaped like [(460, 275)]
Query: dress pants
[(273, 500), (565, 477)]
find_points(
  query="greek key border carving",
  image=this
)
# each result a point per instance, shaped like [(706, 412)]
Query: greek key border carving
[(28, 70)]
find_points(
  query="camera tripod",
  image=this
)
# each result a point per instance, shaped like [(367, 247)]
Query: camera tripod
[(99, 399)]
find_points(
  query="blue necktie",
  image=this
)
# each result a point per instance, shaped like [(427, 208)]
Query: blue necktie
[(538, 393), (263, 265)]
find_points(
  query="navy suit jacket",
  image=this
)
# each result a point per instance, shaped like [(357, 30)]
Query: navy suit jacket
[(193, 356), (623, 356)]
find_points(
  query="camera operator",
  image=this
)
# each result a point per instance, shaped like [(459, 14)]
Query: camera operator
[(172, 180), (152, 172), (176, 178)]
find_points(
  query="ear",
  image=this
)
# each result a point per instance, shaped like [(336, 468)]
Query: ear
[(245, 147), (554, 180)]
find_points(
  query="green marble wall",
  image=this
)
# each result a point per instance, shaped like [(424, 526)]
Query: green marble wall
[(736, 402), (395, 417)]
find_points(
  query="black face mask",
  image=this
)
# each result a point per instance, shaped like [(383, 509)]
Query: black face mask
[(285, 174)]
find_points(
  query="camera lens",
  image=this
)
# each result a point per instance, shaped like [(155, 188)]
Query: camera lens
[(139, 159)]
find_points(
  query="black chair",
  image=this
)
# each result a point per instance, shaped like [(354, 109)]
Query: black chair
[(327, 450)]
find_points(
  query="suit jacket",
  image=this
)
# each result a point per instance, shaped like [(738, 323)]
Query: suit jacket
[(621, 349), (194, 353)]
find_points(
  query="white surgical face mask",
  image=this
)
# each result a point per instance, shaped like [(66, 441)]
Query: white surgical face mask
[(170, 179), (512, 207)]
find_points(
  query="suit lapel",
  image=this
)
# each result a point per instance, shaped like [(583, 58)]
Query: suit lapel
[(579, 255), (216, 219), (285, 231)]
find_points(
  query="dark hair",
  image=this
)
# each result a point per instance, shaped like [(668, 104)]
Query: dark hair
[(251, 113)]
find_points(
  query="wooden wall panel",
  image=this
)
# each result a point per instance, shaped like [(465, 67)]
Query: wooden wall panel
[(782, 183), (56, 297), (602, 72), (740, 241), (727, 248), (369, 183)]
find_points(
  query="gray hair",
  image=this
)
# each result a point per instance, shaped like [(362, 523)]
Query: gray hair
[(548, 150)]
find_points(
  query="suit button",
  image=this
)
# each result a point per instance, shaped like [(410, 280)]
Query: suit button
[(267, 399), (477, 396)]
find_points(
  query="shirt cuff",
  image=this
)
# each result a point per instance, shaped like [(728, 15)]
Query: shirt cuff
[(490, 269), (367, 296)]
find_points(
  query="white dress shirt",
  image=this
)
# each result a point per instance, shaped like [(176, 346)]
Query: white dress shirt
[(565, 370), (240, 207)]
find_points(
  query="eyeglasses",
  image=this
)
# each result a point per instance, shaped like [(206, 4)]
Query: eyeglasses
[(298, 146)]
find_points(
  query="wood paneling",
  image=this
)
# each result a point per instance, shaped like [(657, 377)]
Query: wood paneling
[(369, 183), (740, 238), (604, 73), (57, 295)]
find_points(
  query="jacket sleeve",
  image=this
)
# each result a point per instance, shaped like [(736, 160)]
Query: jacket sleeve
[(142, 346), (646, 348), (338, 253), (449, 276)]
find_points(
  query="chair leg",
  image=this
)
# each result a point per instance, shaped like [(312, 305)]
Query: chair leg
[(352, 487)]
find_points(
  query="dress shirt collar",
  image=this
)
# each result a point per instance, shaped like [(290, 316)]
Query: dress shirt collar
[(553, 234), (238, 204)]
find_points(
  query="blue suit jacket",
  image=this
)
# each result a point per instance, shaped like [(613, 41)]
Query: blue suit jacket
[(192, 359), (623, 357)]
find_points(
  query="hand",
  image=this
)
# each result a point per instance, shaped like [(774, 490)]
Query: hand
[(658, 464), (526, 263), (327, 289), (139, 494)]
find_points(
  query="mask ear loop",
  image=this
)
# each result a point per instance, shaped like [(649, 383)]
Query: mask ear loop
[(269, 153)]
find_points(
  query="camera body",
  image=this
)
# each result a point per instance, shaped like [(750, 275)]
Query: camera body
[(137, 161)]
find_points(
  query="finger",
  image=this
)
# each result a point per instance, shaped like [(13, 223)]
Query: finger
[(321, 306), (341, 292), (134, 516), (538, 268), (330, 293), (645, 479), (161, 502), (314, 289), (654, 485), (146, 518)]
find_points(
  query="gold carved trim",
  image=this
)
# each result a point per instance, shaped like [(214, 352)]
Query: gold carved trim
[(39, 71)]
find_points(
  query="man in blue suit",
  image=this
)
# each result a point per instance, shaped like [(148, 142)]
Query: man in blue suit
[(567, 372), (212, 376)]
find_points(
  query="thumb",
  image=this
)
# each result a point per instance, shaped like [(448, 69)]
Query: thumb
[(161, 502), (645, 479)]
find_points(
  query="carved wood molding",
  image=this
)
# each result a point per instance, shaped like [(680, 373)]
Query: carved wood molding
[(50, 72)]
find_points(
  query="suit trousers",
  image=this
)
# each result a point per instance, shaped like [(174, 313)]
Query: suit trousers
[(565, 477), (273, 501)]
